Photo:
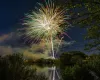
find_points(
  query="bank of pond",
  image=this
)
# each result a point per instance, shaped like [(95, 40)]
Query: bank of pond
[(73, 65)]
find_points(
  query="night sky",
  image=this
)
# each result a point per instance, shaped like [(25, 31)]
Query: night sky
[(13, 11)]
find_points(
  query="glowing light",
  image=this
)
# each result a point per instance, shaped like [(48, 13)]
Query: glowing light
[(45, 22)]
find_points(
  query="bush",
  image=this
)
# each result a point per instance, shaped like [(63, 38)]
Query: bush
[(71, 58), (86, 69), (12, 67), (93, 64), (65, 59), (76, 73)]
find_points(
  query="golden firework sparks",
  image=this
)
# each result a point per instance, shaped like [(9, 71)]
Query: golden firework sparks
[(45, 22)]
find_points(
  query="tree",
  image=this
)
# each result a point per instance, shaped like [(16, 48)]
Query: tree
[(77, 57), (86, 13), (72, 57), (88, 70), (65, 59), (90, 18)]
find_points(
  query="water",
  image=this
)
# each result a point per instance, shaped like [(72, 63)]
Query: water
[(52, 73)]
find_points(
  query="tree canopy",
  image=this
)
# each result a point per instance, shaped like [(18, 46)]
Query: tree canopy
[(86, 14)]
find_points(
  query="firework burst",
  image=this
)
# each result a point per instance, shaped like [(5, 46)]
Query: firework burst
[(45, 22)]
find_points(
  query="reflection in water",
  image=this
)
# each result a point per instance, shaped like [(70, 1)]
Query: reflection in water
[(52, 73)]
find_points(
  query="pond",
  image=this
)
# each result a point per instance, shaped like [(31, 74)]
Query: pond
[(52, 73)]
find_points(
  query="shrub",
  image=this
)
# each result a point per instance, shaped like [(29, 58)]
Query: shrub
[(12, 67), (76, 73)]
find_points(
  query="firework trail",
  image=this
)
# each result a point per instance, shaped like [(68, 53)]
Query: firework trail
[(45, 22)]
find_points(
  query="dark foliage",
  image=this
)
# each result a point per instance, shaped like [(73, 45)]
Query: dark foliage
[(71, 58), (13, 67), (86, 14), (78, 66)]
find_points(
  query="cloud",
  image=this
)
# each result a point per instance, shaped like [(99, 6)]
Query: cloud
[(3, 37), (68, 43), (9, 43), (13, 43), (5, 50), (12, 39)]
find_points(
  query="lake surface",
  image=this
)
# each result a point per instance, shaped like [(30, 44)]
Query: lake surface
[(52, 73)]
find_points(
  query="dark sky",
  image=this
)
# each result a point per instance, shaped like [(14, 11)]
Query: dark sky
[(12, 11)]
